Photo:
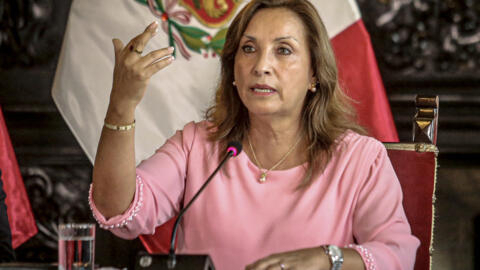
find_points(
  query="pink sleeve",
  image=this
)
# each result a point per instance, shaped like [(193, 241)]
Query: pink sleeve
[(380, 226), (159, 189)]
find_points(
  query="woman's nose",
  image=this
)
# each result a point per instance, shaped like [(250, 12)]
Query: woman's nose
[(263, 65)]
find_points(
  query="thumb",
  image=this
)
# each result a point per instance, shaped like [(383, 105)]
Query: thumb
[(117, 46)]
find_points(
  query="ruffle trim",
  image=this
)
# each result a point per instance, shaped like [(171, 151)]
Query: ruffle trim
[(133, 211), (366, 256)]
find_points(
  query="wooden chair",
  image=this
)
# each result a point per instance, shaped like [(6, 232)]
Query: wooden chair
[(416, 167)]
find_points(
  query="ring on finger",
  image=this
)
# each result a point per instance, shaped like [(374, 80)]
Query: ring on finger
[(282, 266), (134, 49)]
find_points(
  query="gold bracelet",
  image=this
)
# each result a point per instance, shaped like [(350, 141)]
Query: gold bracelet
[(119, 128)]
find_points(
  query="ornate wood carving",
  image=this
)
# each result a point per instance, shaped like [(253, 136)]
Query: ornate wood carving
[(427, 39), (58, 194), (29, 32), (430, 47), (425, 122)]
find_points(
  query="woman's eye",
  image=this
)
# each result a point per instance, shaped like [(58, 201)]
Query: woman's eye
[(284, 51), (248, 49)]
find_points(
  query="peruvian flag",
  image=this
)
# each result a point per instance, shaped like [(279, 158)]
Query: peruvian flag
[(182, 92), (20, 215)]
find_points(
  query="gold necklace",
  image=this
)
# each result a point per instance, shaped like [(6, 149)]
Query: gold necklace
[(263, 175)]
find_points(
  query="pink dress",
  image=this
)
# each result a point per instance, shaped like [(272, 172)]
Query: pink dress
[(356, 202)]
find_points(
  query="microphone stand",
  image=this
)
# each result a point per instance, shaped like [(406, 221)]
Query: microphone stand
[(172, 260)]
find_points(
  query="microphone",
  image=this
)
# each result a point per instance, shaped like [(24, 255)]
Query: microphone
[(233, 149)]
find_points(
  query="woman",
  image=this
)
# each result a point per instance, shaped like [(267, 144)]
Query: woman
[(308, 192)]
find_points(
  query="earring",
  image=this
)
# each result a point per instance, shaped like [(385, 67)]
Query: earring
[(313, 87), (234, 83)]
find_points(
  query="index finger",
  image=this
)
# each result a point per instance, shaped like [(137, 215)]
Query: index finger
[(139, 42)]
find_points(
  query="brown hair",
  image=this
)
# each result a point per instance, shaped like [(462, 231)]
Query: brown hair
[(327, 113)]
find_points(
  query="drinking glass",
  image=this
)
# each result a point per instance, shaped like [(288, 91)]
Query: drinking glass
[(76, 246)]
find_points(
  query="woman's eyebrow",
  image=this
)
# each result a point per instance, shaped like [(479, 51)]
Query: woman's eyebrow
[(276, 39), (250, 37), (287, 37)]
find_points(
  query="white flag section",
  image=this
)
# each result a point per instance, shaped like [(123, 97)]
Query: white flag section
[(176, 95)]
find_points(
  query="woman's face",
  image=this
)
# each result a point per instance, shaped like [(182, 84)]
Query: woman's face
[(272, 64)]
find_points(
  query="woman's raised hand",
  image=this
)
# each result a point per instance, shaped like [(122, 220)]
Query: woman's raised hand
[(114, 168), (133, 71)]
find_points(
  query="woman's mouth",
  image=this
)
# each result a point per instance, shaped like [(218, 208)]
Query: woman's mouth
[(262, 89)]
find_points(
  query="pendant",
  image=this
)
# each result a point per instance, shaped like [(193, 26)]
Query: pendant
[(263, 177)]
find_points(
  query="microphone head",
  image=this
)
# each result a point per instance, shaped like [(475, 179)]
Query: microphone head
[(235, 147)]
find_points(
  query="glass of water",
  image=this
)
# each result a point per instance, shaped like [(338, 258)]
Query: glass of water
[(76, 246)]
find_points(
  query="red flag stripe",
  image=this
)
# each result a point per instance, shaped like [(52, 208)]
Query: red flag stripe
[(360, 77), (21, 219)]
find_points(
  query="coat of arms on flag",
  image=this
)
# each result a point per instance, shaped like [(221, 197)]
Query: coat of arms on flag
[(210, 13)]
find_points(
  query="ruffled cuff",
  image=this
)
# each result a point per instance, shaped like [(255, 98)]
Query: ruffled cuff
[(123, 219), (366, 256)]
